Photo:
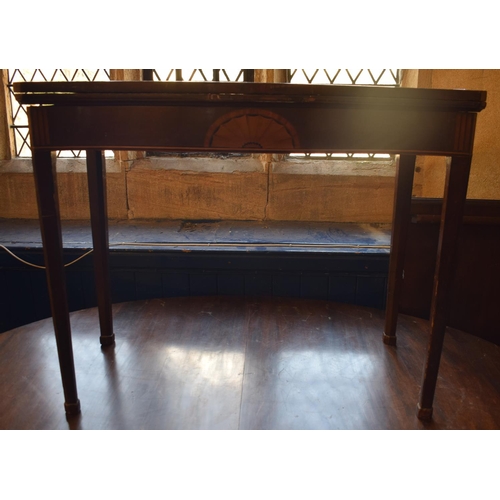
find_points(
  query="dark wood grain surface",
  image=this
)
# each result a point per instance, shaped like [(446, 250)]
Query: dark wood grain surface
[(219, 92), (244, 363)]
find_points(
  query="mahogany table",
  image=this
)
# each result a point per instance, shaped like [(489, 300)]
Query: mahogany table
[(252, 118)]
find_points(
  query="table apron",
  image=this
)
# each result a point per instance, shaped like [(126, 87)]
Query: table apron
[(271, 129)]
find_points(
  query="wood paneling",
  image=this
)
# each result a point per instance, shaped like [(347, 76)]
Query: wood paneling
[(476, 285), (135, 275)]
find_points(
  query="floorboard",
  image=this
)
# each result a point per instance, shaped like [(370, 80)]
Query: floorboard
[(246, 363)]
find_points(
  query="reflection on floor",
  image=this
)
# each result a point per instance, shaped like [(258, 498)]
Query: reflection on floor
[(246, 363)]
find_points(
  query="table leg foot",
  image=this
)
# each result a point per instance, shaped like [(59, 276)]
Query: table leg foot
[(424, 413), (72, 408), (107, 339), (389, 339)]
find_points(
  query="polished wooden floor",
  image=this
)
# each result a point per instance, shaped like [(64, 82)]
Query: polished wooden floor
[(246, 363)]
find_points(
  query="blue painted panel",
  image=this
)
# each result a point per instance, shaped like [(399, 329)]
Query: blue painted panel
[(258, 285), (149, 285), (230, 284), (19, 298), (175, 284), (5, 323), (88, 285), (370, 291), (314, 286), (137, 274), (76, 300), (202, 284), (342, 289), (286, 285), (122, 286), (40, 295)]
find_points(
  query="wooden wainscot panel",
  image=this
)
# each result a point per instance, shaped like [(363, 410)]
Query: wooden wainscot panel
[(476, 286)]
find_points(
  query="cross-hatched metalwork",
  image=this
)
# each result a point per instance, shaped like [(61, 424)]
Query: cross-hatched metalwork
[(342, 156), (379, 77), (19, 118), (374, 77), (198, 75)]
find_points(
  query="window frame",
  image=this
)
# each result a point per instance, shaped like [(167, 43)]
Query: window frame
[(324, 163)]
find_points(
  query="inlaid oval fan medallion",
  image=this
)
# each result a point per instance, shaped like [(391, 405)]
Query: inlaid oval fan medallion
[(252, 129)]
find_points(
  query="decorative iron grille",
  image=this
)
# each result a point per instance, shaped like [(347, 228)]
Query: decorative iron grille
[(199, 75), (19, 118), (379, 77)]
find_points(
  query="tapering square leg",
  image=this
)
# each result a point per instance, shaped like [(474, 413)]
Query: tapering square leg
[(44, 167), (399, 236), (457, 178), (96, 174)]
